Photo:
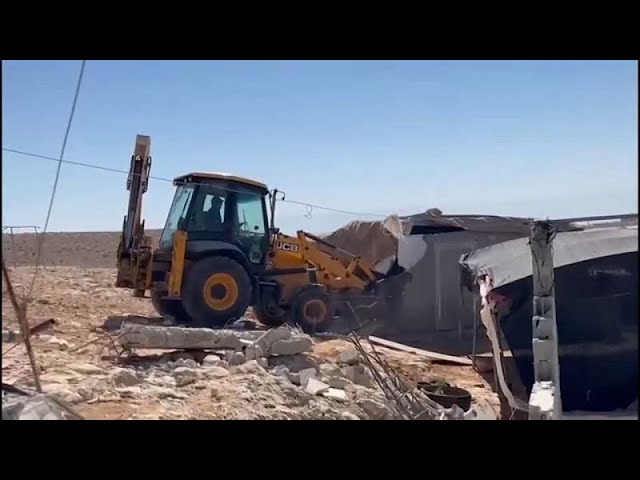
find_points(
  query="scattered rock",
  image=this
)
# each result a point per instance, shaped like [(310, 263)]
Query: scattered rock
[(216, 372), (86, 368), (263, 362), (350, 356), (185, 362), (249, 367), (212, 360), (185, 376), (375, 410), (338, 382), (237, 358), (348, 416), (253, 352), (61, 343), (162, 380), (291, 346), (123, 377), (315, 387), (359, 375), (305, 375), (271, 336), (294, 377), (330, 369), (67, 396), (335, 394), (294, 363), (129, 392), (280, 371)]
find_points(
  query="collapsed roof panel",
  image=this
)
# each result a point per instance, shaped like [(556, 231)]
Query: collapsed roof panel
[(511, 261)]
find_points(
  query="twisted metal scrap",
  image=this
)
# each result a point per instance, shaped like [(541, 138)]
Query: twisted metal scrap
[(408, 403)]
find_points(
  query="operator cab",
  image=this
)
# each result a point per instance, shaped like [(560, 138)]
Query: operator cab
[(218, 207)]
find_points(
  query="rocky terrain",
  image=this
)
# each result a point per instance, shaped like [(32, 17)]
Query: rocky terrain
[(79, 363)]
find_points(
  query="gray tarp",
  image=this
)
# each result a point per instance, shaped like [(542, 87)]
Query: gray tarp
[(510, 261)]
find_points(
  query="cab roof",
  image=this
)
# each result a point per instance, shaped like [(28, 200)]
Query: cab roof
[(194, 176)]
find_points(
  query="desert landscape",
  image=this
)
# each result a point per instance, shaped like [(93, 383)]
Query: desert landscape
[(79, 362)]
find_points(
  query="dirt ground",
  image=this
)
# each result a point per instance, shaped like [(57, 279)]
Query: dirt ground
[(81, 299), (76, 288)]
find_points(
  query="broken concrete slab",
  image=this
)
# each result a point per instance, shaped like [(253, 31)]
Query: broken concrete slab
[(269, 337), (335, 394), (181, 338), (305, 375), (315, 387), (291, 346)]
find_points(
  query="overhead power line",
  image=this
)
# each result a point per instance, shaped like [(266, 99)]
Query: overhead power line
[(163, 179), (60, 160)]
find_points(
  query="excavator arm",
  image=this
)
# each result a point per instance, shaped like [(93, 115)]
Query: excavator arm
[(134, 250)]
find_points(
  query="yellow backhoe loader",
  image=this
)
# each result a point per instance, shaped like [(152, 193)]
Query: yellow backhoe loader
[(220, 253)]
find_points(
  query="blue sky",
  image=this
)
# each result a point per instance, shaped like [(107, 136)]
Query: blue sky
[(530, 138)]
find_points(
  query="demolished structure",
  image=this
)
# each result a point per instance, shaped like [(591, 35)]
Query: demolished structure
[(596, 309), (435, 313)]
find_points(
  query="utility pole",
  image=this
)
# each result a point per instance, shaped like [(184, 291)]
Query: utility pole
[(545, 402)]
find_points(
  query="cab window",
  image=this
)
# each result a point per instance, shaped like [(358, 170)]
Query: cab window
[(250, 214)]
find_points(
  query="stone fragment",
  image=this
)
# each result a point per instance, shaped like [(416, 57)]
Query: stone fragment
[(291, 346), (348, 416), (359, 375), (280, 371), (60, 343), (85, 368), (269, 337), (123, 377), (375, 410), (338, 382), (253, 352), (305, 375), (315, 387), (335, 394), (185, 376), (350, 356), (249, 367), (211, 360), (237, 358), (216, 371), (263, 362)]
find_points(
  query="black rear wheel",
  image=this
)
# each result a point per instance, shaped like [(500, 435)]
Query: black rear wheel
[(271, 315), (216, 291), (313, 310)]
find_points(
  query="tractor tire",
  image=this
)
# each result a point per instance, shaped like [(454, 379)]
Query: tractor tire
[(271, 316), (216, 290), (172, 308), (313, 310)]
